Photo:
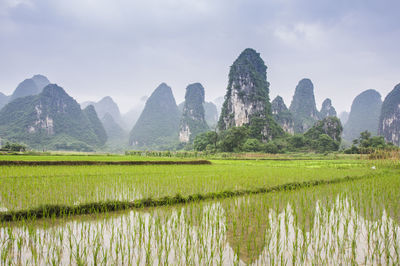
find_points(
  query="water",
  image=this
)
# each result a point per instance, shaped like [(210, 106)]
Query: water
[(236, 231)]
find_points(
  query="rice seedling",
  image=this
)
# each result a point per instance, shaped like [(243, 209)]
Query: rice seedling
[(227, 213)]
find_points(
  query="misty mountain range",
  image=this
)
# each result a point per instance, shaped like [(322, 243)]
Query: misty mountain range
[(43, 115)]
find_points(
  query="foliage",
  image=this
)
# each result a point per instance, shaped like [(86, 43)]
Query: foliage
[(13, 147), (250, 70), (233, 139), (389, 124), (367, 144), (203, 140), (252, 145)]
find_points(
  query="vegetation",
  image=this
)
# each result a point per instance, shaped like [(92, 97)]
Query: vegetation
[(367, 144), (249, 70), (324, 136), (13, 147), (235, 212), (389, 124), (303, 107), (193, 120), (50, 120)]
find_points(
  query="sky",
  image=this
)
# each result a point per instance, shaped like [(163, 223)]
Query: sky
[(126, 48)]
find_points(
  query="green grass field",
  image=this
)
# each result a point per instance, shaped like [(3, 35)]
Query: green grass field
[(353, 221)]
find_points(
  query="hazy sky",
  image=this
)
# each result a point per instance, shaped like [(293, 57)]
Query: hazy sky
[(125, 48)]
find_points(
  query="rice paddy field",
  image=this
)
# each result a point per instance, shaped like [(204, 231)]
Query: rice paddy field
[(295, 211)]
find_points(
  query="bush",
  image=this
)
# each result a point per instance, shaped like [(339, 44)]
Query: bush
[(252, 145)]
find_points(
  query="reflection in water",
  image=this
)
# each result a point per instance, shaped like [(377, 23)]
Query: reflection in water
[(225, 233)]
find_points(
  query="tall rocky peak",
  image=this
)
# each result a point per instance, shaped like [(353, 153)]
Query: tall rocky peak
[(327, 109), (30, 86), (303, 106), (389, 122), (247, 97), (193, 116), (158, 123), (96, 124), (364, 115), (282, 115), (210, 113), (51, 119)]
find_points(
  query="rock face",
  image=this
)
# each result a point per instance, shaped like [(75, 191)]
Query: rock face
[(330, 126), (282, 115), (30, 86), (327, 109), (51, 120), (210, 112), (364, 115), (193, 120), (303, 106), (158, 124), (247, 98), (344, 116), (389, 122)]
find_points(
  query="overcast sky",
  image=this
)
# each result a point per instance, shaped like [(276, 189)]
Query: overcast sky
[(125, 48)]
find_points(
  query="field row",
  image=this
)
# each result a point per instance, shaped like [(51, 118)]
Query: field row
[(345, 223), (26, 187)]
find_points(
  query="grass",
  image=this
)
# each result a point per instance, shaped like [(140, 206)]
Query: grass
[(26, 187), (313, 211)]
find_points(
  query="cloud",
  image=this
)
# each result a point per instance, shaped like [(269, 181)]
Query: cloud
[(125, 48)]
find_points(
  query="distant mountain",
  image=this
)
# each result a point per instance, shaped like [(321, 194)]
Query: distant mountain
[(211, 113), (3, 99), (130, 118), (40, 81), (344, 116), (105, 105), (219, 101), (389, 122), (247, 98), (303, 106), (113, 129), (30, 86), (193, 120), (364, 115), (327, 109), (158, 124), (95, 124), (282, 115), (51, 120)]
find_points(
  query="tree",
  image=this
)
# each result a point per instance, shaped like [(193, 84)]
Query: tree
[(203, 140), (233, 139), (252, 145)]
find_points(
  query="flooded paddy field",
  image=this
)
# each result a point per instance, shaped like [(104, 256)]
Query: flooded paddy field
[(350, 222)]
